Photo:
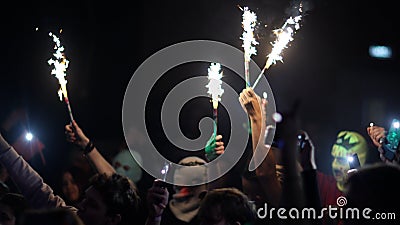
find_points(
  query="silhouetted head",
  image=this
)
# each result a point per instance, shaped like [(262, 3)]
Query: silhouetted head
[(226, 206)]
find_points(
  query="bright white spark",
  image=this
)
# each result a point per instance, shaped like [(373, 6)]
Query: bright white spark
[(60, 64), (249, 22), (284, 35), (214, 85)]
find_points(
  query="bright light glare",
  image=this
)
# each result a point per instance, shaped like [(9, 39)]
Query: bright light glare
[(350, 159), (277, 117), (29, 136), (265, 95), (380, 52)]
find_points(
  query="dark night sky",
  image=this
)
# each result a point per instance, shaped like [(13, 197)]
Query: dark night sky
[(327, 69)]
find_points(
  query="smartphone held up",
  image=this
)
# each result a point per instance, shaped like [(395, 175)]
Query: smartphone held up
[(390, 144)]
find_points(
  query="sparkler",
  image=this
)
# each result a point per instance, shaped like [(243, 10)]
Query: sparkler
[(284, 35), (249, 21), (215, 90), (60, 64)]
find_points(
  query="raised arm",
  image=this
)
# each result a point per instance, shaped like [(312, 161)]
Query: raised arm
[(28, 181), (309, 172), (157, 201), (255, 109), (266, 172), (378, 135), (75, 135)]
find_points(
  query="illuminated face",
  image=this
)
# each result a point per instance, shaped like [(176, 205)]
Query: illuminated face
[(347, 144), (70, 187)]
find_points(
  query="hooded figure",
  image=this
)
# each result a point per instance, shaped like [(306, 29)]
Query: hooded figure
[(185, 203)]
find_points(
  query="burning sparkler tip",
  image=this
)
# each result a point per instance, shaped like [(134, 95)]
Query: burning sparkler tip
[(214, 86)]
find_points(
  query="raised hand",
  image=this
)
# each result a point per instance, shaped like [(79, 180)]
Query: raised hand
[(307, 152), (157, 200), (250, 102), (376, 134), (214, 147), (74, 134)]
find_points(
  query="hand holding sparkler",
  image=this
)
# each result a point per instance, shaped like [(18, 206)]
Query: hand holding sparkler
[(60, 64), (284, 35), (215, 90), (256, 107), (74, 134), (214, 147), (248, 24), (252, 104), (99, 164)]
